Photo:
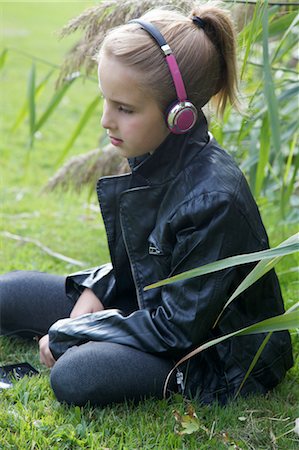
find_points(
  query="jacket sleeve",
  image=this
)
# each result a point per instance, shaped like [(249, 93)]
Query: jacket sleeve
[(187, 309), (100, 280)]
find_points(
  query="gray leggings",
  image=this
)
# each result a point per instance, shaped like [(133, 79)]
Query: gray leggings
[(96, 372)]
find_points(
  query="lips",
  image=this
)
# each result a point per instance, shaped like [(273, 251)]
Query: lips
[(115, 141)]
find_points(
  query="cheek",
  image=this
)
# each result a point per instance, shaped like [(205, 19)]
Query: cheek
[(132, 129), (137, 129)]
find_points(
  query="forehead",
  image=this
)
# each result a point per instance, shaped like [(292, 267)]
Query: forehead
[(119, 82)]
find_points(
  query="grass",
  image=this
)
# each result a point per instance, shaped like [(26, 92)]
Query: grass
[(30, 417)]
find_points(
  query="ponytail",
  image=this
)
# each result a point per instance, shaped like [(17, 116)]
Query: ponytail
[(219, 29)]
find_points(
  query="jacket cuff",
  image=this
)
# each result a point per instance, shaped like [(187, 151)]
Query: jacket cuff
[(100, 280)]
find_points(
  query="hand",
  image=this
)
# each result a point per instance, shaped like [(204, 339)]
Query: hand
[(45, 354), (88, 302)]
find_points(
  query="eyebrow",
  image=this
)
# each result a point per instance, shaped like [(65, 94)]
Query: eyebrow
[(117, 101), (124, 104)]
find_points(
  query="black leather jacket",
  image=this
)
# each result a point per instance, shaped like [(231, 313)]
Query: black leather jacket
[(185, 205)]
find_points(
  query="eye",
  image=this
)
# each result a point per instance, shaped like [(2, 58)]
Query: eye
[(125, 110)]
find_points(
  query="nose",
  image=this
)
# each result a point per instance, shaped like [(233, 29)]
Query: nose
[(106, 120)]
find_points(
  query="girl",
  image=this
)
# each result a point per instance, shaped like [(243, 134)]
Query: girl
[(184, 204)]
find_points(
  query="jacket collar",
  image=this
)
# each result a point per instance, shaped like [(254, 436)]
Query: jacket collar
[(175, 152)]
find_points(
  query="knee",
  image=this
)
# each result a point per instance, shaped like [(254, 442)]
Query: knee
[(64, 383), (6, 303), (4, 289), (68, 379), (11, 289)]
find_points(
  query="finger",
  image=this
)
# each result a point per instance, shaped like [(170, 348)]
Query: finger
[(47, 359), (50, 360), (46, 356)]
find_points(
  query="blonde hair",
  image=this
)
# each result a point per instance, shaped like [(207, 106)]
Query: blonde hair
[(206, 57)]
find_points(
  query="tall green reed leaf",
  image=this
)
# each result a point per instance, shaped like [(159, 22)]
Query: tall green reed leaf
[(288, 185), (3, 57), (257, 272), (287, 321), (254, 361), (291, 245), (290, 93), (80, 125), (286, 21), (259, 352), (25, 108), (54, 102), (294, 18), (269, 89), (248, 35), (31, 104), (264, 153)]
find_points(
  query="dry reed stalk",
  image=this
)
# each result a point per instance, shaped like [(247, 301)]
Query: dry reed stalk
[(87, 168), (96, 21)]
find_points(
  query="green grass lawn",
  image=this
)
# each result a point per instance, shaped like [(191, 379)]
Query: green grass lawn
[(69, 223)]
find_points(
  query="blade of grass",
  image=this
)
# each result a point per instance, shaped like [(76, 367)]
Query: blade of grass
[(291, 245)]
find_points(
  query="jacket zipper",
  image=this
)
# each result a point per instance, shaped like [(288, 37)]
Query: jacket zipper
[(154, 250), (180, 381), (131, 265)]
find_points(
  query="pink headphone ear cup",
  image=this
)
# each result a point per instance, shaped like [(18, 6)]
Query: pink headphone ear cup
[(181, 117)]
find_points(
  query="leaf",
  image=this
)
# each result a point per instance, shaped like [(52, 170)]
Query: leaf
[(285, 19), (263, 155), (54, 102), (287, 321), (288, 184), (291, 245), (25, 108), (282, 22), (256, 273), (249, 34), (3, 57), (31, 104), (188, 423), (269, 89), (254, 361), (81, 124), (259, 352)]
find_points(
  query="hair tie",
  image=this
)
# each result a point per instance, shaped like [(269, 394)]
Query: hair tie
[(199, 22)]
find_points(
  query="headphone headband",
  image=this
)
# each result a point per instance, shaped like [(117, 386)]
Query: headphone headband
[(182, 115), (169, 57)]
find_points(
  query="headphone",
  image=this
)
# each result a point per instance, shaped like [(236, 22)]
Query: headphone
[(181, 115)]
